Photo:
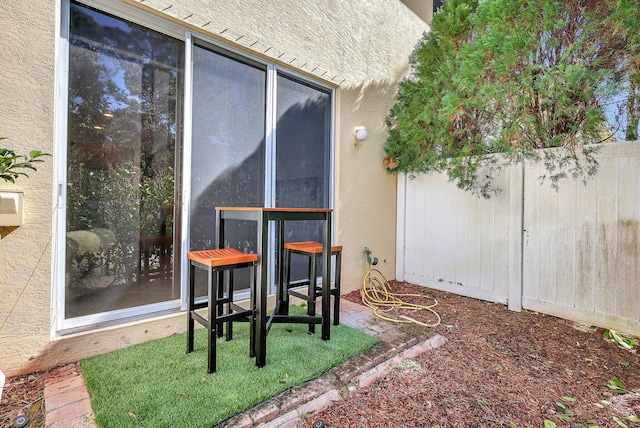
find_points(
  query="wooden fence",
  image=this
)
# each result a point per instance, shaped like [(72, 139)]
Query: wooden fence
[(572, 253)]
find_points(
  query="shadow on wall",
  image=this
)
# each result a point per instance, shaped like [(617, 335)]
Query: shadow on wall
[(300, 170)]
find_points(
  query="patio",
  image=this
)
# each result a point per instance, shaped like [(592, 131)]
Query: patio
[(479, 370), (67, 401)]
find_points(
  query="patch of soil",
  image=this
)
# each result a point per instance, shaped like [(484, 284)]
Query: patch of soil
[(498, 368), (24, 395)]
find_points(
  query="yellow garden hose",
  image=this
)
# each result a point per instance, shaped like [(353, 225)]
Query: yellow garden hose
[(377, 294)]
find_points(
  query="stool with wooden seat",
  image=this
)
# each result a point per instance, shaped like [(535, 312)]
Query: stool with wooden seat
[(312, 250), (220, 293)]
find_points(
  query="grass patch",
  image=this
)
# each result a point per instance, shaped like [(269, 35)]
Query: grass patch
[(157, 384)]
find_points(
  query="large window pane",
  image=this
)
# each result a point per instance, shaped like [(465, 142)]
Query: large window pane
[(124, 102), (302, 156), (228, 148)]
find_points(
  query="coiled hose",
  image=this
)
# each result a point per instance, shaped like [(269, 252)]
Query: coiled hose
[(377, 294)]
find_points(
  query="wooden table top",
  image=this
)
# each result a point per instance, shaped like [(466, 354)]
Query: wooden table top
[(275, 209)]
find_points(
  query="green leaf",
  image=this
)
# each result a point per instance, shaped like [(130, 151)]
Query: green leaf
[(617, 338), (569, 399), (617, 386), (620, 423), (634, 419), (549, 424)]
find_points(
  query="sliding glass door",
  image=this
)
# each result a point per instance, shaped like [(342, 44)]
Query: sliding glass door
[(124, 102), (257, 136)]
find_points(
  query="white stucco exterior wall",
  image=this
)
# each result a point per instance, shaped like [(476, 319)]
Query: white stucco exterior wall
[(26, 120), (360, 47)]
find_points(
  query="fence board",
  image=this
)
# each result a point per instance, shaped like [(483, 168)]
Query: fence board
[(565, 260), (606, 208), (530, 272), (628, 266), (585, 243)]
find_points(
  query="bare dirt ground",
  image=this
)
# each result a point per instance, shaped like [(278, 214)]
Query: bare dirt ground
[(498, 369)]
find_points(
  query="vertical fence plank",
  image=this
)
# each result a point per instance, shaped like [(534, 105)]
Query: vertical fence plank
[(401, 238), (530, 276), (417, 221), (606, 236), (628, 251), (585, 243), (565, 256), (461, 255), (501, 234), (514, 241)]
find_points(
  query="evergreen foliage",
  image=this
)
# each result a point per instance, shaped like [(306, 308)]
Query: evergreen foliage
[(496, 80)]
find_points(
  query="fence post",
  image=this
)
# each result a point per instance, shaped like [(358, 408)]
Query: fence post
[(516, 218), (401, 206)]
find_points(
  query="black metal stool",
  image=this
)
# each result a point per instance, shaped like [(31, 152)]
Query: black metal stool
[(312, 250), (216, 262)]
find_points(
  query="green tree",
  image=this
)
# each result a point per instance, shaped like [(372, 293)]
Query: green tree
[(496, 80)]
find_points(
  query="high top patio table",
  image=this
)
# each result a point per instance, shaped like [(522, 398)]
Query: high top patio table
[(262, 216)]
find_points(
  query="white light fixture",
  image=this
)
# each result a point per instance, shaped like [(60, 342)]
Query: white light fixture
[(361, 133), (11, 207)]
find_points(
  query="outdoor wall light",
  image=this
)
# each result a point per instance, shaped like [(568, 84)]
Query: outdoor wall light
[(361, 133), (11, 207)]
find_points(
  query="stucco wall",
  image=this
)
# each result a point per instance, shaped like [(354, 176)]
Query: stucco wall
[(361, 47), (26, 119), (346, 43)]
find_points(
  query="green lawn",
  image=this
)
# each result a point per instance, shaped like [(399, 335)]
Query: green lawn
[(156, 384)]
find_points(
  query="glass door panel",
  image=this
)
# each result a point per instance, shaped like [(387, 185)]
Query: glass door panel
[(228, 148), (125, 95), (303, 165)]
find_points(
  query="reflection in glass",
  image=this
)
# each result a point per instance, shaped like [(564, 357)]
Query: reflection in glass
[(228, 148), (302, 157), (124, 101)]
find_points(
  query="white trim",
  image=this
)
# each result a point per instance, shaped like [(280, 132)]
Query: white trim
[(271, 138), (187, 136), (60, 167), (149, 311), (138, 16), (271, 141)]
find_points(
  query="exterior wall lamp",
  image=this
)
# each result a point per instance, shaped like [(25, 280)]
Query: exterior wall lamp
[(361, 133)]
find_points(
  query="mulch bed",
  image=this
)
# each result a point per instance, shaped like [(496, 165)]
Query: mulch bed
[(499, 368)]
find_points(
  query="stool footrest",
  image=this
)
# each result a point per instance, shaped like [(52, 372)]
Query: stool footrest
[(295, 319), (235, 316), (197, 317), (298, 294), (308, 288)]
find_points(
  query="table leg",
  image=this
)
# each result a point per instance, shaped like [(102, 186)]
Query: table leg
[(326, 279), (261, 292), (282, 307)]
